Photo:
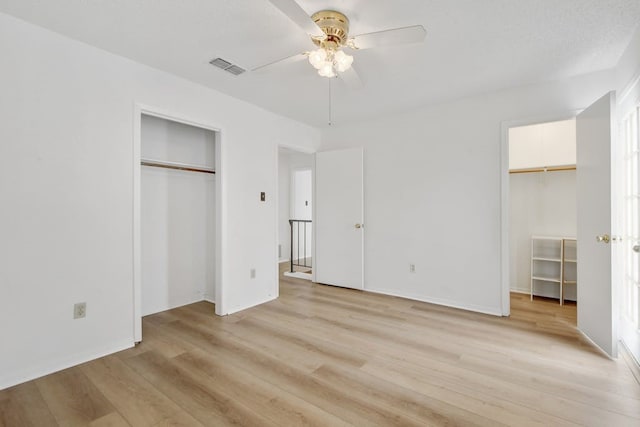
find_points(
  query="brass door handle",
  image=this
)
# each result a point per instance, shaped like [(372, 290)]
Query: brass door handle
[(358, 225), (636, 248), (603, 238)]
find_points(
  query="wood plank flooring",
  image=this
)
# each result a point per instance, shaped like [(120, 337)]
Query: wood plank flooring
[(321, 355)]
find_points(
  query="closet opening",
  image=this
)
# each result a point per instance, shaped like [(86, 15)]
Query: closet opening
[(542, 265), (177, 255), (295, 213)]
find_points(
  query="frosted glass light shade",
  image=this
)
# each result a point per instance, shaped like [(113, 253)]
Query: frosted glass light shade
[(327, 70), (343, 61), (317, 58)]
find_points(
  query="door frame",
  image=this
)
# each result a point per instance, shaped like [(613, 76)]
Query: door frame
[(505, 273), (221, 235)]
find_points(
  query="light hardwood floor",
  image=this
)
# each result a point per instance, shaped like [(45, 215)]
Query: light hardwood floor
[(321, 355)]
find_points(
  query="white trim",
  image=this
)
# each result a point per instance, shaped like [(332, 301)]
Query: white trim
[(207, 299), (494, 311), (63, 363), (135, 226), (504, 196), (182, 304), (299, 275), (138, 110), (283, 260), (254, 304), (313, 219), (277, 216)]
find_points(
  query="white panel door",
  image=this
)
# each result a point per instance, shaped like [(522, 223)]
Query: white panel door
[(339, 205), (302, 194), (594, 128)]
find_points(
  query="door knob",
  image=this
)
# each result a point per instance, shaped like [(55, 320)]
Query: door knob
[(358, 225), (603, 238), (636, 248)]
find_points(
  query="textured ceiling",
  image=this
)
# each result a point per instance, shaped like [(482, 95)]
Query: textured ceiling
[(472, 46)]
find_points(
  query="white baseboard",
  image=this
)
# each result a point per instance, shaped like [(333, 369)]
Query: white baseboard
[(283, 260), (245, 307), (16, 378), (469, 307), (177, 305), (299, 275)]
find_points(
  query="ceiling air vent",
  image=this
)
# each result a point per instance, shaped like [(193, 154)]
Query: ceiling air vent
[(227, 66)]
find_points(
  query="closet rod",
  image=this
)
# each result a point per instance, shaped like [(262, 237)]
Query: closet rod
[(156, 164), (549, 169)]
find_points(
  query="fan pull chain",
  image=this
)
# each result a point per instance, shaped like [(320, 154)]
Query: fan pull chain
[(329, 101)]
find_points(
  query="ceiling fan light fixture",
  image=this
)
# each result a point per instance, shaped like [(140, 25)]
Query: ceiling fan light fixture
[(317, 58), (328, 62), (327, 70), (342, 61)]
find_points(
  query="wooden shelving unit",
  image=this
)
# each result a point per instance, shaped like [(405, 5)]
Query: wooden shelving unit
[(553, 260)]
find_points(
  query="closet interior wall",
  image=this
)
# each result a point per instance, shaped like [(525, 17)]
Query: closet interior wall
[(177, 215)]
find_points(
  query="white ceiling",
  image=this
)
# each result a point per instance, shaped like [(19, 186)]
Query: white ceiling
[(472, 46)]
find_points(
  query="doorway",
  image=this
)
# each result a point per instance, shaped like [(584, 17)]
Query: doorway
[(295, 213), (529, 161), (596, 223), (177, 214), (543, 213)]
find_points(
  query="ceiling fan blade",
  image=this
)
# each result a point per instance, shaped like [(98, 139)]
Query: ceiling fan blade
[(288, 60), (298, 15), (351, 78), (413, 34)]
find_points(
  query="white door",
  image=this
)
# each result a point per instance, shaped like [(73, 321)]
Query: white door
[(339, 205), (594, 127), (302, 191)]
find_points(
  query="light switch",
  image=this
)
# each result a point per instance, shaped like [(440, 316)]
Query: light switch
[(263, 196)]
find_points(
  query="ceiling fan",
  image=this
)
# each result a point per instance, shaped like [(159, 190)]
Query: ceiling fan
[(329, 32)]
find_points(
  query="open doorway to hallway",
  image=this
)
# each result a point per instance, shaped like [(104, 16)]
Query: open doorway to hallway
[(295, 212)]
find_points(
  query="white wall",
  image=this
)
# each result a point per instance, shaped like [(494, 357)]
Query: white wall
[(66, 191), (628, 69), (432, 190), (177, 216), (178, 238), (170, 141), (542, 145), (542, 204), (288, 161)]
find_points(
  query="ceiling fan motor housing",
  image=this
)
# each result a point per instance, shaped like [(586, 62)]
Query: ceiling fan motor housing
[(334, 25)]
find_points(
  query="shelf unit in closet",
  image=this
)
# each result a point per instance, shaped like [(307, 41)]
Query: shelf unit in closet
[(553, 260)]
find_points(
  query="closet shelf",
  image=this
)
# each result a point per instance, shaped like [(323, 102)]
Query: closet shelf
[(552, 251)]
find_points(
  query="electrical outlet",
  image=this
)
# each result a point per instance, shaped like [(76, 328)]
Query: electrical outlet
[(253, 273), (412, 268), (79, 310)]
